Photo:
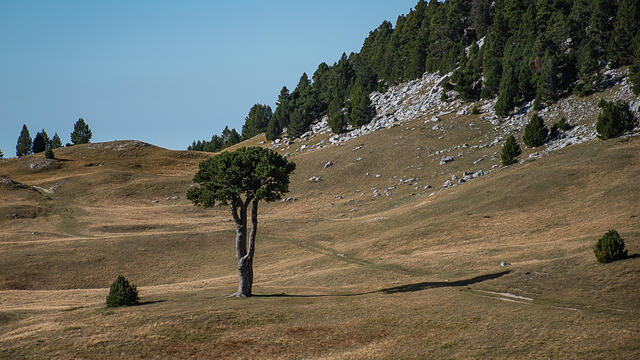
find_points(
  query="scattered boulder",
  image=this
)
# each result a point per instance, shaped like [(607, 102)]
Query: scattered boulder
[(328, 165), (173, 198), (314, 179), (446, 159)]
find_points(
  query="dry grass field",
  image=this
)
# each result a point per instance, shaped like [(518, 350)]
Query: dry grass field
[(340, 274)]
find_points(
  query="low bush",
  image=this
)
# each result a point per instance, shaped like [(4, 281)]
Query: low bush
[(49, 153), (614, 120), (610, 247), (122, 293)]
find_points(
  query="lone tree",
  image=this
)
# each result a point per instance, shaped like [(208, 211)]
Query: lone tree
[(1, 154), (510, 150), (81, 133), (240, 179), (23, 147)]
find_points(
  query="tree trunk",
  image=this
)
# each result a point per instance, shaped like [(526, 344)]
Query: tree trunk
[(244, 257)]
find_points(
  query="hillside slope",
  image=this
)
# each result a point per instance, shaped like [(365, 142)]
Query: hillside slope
[(377, 259)]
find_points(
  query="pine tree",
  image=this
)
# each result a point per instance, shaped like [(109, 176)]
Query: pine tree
[(298, 124), (510, 150), (626, 27), (508, 92), (23, 147), (81, 133), (56, 142), (547, 89), (257, 120), (492, 66), (234, 138), (336, 117), (273, 129), (40, 142), (635, 66), (614, 120), (535, 132), (359, 107), (1, 154)]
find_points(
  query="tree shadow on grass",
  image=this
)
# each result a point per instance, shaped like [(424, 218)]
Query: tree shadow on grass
[(400, 289), (436, 284), (142, 303)]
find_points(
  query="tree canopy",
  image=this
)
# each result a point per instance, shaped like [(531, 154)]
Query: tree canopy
[(24, 145), (241, 175), (81, 133)]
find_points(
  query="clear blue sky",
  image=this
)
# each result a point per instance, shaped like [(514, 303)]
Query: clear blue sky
[(164, 72)]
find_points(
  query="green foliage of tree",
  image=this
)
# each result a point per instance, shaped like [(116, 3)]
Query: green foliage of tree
[(81, 133), (614, 120), (336, 119), (299, 123), (122, 293), (610, 247), (626, 27), (535, 132), (24, 145), (273, 129), (239, 180), (55, 141), (218, 142), (1, 154), (635, 66), (510, 151), (41, 142), (508, 92), (360, 111), (48, 153), (256, 121)]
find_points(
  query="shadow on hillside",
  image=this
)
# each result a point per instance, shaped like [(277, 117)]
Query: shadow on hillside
[(143, 303), (400, 289), (436, 284)]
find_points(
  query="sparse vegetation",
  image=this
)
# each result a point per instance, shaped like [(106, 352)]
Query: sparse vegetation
[(510, 150), (610, 247), (614, 120), (563, 124), (475, 110), (535, 132), (122, 293)]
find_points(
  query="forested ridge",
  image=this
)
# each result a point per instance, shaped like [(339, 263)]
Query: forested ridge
[(517, 50)]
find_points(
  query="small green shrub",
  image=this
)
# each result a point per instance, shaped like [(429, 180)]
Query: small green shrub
[(444, 97), (614, 120), (535, 132), (49, 153), (563, 124), (122, 293), (510, 150), (610, 247), (475, 110)]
